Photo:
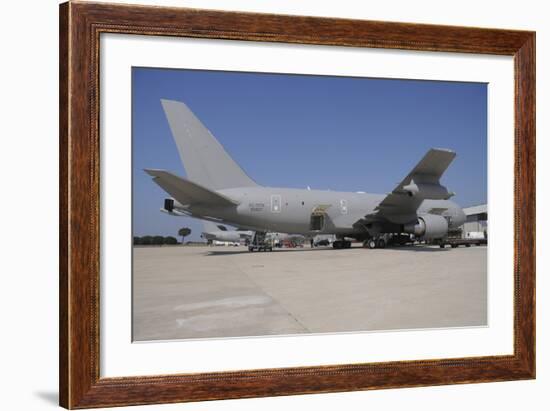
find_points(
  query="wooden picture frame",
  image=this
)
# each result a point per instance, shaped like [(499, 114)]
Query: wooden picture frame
[(80, 27)]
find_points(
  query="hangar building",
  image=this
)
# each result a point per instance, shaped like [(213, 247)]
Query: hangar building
[(476, 221)]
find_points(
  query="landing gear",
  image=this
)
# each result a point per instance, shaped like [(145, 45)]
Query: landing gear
[(373, 243), (339, 244)]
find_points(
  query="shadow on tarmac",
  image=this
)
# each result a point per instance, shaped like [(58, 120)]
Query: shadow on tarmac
[(415, 248)]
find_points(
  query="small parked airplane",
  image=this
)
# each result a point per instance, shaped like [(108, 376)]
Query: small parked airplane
[(219, 232), (217, 189)]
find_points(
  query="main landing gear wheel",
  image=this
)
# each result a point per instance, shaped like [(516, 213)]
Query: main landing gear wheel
[(381, 243), (371, 244)]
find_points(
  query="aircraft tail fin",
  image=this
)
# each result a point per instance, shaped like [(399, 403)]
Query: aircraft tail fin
[(187, 192), (204, 158)]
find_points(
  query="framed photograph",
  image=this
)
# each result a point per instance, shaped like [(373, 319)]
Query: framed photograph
[(258, 205)]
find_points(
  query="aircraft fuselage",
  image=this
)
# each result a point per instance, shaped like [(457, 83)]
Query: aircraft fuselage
[(289, 210)]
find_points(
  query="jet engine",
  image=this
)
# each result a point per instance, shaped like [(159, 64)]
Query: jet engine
[(429, 226)]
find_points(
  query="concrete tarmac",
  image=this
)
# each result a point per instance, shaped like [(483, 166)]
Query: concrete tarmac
[(183, 292)]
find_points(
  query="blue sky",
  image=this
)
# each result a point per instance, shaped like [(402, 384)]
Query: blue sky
[(326, 132)]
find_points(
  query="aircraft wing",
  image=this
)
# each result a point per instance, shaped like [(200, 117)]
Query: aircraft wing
[(186, 192), (422, 183)]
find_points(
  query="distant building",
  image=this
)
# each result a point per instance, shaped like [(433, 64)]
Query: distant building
[(476, 221)]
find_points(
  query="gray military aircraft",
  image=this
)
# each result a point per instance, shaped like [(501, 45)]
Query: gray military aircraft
[(219, 232), (217, 189)]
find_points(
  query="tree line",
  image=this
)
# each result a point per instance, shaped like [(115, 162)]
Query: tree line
[(155, 240), (161, 240)]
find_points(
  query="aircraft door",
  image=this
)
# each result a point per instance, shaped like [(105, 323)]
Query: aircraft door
[(317, 218), (276, 203), (316, 222), (343, 206)]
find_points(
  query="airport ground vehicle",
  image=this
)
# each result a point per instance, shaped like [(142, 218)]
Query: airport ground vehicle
[(468, 242), (260, 243), (456, 238)]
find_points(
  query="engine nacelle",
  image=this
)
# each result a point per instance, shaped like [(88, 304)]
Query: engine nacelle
[(429, 226)]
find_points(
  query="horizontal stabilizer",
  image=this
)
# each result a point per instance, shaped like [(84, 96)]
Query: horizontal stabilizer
[(211, 227), (188, 193)]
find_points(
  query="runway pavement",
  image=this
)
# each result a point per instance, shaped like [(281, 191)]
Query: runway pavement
[(182, 292)]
